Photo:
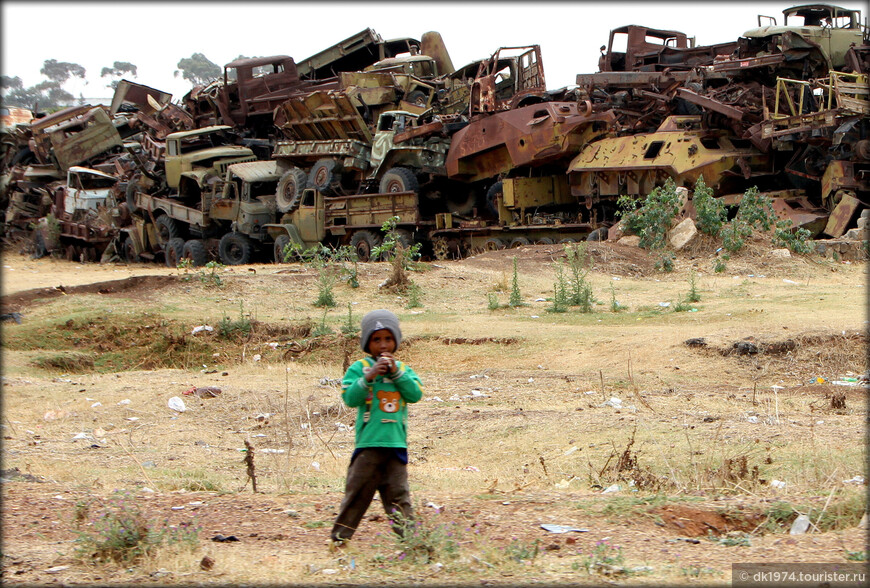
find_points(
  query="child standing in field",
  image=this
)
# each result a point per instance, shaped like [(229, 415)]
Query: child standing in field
[(380, 387)]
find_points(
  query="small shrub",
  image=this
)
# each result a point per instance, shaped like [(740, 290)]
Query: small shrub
[(735, 539), (516, 298), (693, 295), (719, 265), (604, 558), (325, 282), (615, 306), (235, 328), (797, 241), (560, 296), (682, 306), (121, 534), (414, 292), (423, 543), (710, 213), (350, 326), (652, 220), (492, 301), (665, 262), (756, 210), (734, 234), (322, 329), (520, 552)]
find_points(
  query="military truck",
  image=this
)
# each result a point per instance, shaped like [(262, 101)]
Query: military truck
[(227, 224), (337, 154), (812, 41), (347, 220)]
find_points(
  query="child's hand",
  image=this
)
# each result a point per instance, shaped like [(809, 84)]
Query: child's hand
[(385, 365)]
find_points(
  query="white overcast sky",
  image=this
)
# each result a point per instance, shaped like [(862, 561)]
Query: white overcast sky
[(155, 35)]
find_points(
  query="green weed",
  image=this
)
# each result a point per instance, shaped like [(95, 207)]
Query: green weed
[(519, 552), (120, 533), (423, 542), (560, 296), (693, 295), (736, 539), (492, 301), (516, 299), (235, 328), (603, 559)]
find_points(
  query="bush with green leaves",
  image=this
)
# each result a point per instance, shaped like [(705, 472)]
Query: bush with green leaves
[(391, 246), (492, 301), (710, 213), (560, 288), (652, 219), (665, 262), (120, 533), (350, 327), (797, 241)]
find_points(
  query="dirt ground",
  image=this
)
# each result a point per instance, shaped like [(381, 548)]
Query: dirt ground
[(806, 317)]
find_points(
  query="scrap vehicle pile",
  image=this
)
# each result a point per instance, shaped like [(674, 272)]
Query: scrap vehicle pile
[(324, 150)]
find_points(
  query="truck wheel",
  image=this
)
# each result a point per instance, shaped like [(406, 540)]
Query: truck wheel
[(464, 201), (173, 251), (281, 243), (195, 251), (129, 250), (399, 179), (168, 228), (130, 196), (518, 242), (544, 241), (404, 237), (493, 244), (324, 177), (493, 196), (363, 242), (416, 97), (235, 249), (597, 235), (288, 194)]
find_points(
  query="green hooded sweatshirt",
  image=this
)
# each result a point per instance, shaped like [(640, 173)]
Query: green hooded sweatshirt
[(382, 404)]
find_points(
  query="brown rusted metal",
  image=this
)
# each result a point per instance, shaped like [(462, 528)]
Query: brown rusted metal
[(530, 136)]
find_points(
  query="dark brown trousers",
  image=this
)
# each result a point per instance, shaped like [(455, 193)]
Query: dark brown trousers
[(373, 469)]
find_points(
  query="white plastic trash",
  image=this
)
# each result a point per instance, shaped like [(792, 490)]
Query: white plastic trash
[(800, 525), (177, 404)]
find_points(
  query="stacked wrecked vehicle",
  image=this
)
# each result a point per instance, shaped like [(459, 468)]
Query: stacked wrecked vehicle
[(325, 150)]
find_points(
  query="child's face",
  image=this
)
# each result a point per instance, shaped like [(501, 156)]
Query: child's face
[(382, 341)]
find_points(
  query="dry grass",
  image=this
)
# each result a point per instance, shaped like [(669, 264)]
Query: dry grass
[(522, 394)]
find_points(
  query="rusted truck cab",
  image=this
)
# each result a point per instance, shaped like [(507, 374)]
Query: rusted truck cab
[(195, 160)]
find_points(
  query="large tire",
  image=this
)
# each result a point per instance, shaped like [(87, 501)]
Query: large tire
[(235, 249), (404, 237), (461, 201), (494, 195), (168, 228), (130, 196), (195, 251), (173, 251), (288, 194), (493, 244), (325, 177), (129, 249), (281, 243), (518, 242), (598, 235), (399, 179), (363, 242), (416, 97)]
